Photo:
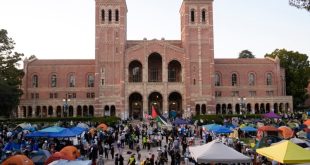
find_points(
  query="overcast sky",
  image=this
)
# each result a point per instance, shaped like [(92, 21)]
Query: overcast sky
[(65, 29)]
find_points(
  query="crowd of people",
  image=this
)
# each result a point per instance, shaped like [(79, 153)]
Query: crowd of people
[(123, 143)]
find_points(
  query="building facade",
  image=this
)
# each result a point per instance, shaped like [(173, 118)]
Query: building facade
[(129, 77)]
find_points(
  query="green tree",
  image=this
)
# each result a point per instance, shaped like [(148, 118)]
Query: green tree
[(297, 73), (246, 54), (300, 4), (10, 75)]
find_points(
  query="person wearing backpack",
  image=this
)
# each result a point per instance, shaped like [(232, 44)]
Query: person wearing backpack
[(132, 160)]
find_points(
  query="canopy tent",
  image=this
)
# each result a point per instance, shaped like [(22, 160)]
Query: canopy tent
[(300, 142), (54, 132), (221, 129), (248, 129), (83, 125), (217, 152), (286, 152), (211, 126), (271, 115)]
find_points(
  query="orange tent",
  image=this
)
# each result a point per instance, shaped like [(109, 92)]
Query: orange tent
[(307, 122), (70, 152), (267, 128), (18, 160), (56, 156), (286, 132), (102, 126)]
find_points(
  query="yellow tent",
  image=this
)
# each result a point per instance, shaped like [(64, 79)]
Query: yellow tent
[(286, 152)]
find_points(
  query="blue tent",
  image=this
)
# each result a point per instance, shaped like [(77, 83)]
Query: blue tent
[(248, 129), (221, 129), (78, 130), (52, 129), (179, 121)]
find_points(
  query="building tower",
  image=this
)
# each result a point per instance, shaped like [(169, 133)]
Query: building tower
[(111, 28), (197, 40)]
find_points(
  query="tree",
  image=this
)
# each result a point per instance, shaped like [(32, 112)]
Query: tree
[(246, 54), (10, 75), (297, 73), (300, 4)]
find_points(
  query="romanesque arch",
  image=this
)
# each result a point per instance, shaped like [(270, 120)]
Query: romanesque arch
[(174, 71), (155, 100), (155, 68), (135, 71), (136, 105), (175, 104)]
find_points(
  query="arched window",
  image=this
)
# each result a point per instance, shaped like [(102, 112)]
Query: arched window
[(53, 81), (203, 16), (217, 79), (71, 80), (192, 15), (234, 79), (135, 71), (269, 79), (251, 79), (174, 71), (110, 15), (35, 81), (116, 15), (90, 80), (102, 15)]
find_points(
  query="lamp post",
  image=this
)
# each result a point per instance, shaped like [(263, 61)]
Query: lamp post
[(242, 104), (65, 108)]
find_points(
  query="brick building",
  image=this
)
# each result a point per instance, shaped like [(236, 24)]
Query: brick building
[(128, 77)]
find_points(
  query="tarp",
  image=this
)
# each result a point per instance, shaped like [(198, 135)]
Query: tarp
[(74, 162), (286, 152), (211, 126), (217, 152), (271, 115), (248, 129)]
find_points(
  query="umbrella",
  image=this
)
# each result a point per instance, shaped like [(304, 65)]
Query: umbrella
[(271, 115), (248, 129), (285, 152), (286, 132), (102, 126), (39, 157), (307, 122), (70, 152), (18, 160)]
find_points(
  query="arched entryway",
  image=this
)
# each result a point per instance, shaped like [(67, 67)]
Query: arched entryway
[(91, 110), (135, 106), (267, 107), (175, 104), (203, 109), (79, 111), (50, 110), (249, 108), (229, 109), (70, 111), (197, 109), (58, 111), (106, 110), (218, 109), (156, 101)]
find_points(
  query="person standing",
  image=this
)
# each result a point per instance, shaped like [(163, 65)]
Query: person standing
[(132, 160), (112, 151), (116, 160), (121, 160)]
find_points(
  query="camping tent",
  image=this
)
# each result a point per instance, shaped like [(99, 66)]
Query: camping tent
[(248, 129), (286, 152), (217, 152), (271, 115)]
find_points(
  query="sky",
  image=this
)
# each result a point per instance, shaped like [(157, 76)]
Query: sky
[(65, 29)]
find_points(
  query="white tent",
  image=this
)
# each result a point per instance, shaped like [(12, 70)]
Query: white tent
[(217, 152)]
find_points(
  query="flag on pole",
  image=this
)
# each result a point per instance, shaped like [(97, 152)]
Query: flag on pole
[(154, 114)]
